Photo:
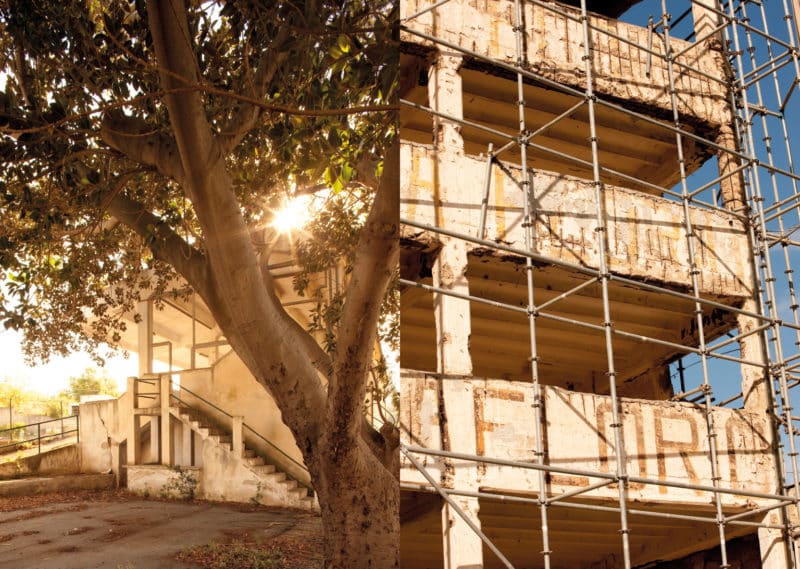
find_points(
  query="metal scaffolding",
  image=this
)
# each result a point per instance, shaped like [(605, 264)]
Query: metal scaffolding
[(763, 80)]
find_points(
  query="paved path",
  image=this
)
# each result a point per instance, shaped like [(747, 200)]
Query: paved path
[(128, 533)]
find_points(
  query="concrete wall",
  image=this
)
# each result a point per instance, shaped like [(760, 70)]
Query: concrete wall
[(645, 234), (555, 50), (65, 460), (232, 387), (162, 481), (664, 440), (102, 429)]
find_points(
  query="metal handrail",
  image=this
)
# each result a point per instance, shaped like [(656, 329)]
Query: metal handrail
[(246, 426), (38, 438)]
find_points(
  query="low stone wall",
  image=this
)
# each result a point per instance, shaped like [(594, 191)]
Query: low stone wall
[(179, 482), (66, 483), (64, 460)]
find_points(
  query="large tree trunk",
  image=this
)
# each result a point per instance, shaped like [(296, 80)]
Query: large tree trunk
[(360, 505), (353, 468)]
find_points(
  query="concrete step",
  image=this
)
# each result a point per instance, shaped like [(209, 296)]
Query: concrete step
[(254, 461), (276, 477), (264, 469)]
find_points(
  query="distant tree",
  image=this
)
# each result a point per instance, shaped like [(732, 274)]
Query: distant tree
[(13, 394), (90, 382)]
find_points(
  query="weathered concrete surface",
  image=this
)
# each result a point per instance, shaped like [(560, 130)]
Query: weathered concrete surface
[(220, 473), (65, 483), (181, 483), (664, 441), (100, 436), (61, 460), (231, 386), (554, 50), (228, 476), (129, 533), (646, 238)]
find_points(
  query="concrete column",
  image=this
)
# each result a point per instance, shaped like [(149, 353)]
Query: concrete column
[(463, 548), (452, 315), (774, 551), (133, 448), (754, 379), (237, 438), (155, 439), (445, 96), (706, 21), (165, 441), (186, 445), (145, 339)]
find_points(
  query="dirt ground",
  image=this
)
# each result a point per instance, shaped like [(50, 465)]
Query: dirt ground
[(116, 530)]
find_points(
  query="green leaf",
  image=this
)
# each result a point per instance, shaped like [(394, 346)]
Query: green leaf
[(344, 43)]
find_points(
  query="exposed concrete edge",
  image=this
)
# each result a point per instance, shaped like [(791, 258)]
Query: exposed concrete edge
[(44, 485), (57, 460)]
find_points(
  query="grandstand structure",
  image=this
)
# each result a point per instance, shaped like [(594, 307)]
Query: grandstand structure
[(600, 339)]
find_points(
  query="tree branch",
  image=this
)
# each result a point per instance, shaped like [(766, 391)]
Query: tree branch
[(134, 138), (377, 259), (247, 114), (166, 245), (316, 355), (255, 323), (178, 69)]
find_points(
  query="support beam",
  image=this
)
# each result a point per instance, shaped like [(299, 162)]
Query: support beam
[(237, 436), (463, 548), (165, 442), (775, 550), (134, 446), (145, 339), (186, 445)]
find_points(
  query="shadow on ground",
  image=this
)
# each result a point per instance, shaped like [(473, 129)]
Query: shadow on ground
[(116, 530)]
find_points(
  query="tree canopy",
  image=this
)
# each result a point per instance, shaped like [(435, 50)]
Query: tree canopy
[(146, 141), (286, 88)]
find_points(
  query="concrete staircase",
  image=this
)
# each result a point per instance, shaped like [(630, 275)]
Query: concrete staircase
[(266, 483)]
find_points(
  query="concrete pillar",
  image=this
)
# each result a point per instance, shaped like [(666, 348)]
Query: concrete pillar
[(155, 439), (145, 339), (133, 448), (237, 436), (755, 379), (463, 548), (706, 21), (186, 445), (774, 549), (445, 96), (452, 315), (165, 440)]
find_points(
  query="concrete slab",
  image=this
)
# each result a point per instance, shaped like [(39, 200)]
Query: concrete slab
[(66, 483), (58, 457), (118, 531)]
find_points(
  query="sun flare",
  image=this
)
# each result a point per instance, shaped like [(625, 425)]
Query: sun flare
[(293, 215)]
